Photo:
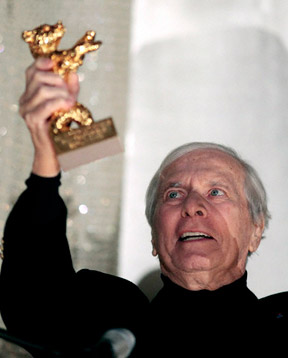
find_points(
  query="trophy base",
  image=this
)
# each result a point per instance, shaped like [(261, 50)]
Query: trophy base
[(90, 153), (86, 144)]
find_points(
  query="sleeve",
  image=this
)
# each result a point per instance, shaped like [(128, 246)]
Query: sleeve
[(37, 268), (42, 298)]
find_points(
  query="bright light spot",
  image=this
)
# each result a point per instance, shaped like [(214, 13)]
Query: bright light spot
[(83, 209)]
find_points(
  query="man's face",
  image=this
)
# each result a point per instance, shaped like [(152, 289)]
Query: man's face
[(202, 228)]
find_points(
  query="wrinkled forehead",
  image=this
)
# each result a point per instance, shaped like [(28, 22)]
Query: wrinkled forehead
[(204, 162)]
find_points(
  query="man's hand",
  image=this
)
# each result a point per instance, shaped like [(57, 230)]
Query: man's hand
[(45, 93)]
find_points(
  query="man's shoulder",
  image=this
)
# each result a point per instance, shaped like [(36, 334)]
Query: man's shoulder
[(274, 311), (87, 274), (112, 284), (275, 306), (274, 322)]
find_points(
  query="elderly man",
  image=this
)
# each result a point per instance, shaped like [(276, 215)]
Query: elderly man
[(207, 210)]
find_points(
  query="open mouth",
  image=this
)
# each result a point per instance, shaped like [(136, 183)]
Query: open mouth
[(193, 236)]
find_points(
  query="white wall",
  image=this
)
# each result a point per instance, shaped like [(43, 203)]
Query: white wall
[(209, 70)]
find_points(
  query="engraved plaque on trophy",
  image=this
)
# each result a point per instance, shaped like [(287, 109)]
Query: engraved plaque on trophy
[(90, 140)]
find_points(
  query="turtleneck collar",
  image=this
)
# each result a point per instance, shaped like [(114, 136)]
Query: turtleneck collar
[(236, 288)]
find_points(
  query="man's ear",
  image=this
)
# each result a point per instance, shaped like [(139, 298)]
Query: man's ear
[(154, 250), (257, 235)]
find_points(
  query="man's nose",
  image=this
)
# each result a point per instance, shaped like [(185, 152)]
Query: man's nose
[(194, 205)]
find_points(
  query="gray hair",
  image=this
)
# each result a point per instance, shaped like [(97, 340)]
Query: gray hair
[(254, 189)]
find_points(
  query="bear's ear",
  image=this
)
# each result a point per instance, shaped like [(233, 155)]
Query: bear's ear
[(59, 29), (28, 36), (59, 25)]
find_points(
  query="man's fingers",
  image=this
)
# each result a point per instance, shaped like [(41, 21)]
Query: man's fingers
[(46, 92), (42, 83), (43, 93), (41, 63), (38, 78), (44, 63), (40, 72), (73, 84), (44, 110)]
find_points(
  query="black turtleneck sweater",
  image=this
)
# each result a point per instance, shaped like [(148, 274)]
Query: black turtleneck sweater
[(204, 320), (43, 299), (227, 322)]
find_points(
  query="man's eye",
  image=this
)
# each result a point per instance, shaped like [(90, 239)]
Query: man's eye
[(216, 192), (173, 195)]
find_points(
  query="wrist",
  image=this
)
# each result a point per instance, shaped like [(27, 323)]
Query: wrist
[(46, 164)]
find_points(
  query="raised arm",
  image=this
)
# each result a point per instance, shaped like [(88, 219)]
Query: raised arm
[(45, 93), (41, 296), (37, 267)]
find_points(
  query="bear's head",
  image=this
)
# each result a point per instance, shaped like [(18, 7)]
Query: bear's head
[(44, 40)]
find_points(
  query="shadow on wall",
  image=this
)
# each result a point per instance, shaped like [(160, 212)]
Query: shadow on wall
[(151, 283)]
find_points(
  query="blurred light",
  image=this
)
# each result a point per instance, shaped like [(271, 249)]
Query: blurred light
[(81, 76), (94, 100), (14, 107), (69, 222), (81, 179), (83, 209), (3, 131)]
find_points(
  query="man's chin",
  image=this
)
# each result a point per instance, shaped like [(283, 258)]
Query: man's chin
[(195, 261), (186, 267)]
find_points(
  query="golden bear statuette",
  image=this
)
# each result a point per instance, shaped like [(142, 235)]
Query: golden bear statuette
[(91, 140)]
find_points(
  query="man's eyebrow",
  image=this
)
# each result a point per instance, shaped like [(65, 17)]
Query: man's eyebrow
[(223, 183), (163, 188), (221, 179), (172, 185)]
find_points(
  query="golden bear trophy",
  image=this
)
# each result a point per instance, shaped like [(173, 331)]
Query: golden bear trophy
[(90, 140)]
